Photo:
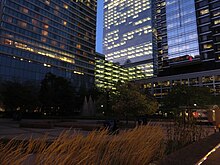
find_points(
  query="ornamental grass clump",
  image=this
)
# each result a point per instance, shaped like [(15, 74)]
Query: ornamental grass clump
[(180, 135), (141, 145)]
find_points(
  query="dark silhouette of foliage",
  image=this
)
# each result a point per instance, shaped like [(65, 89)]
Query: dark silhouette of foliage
[(104, 102), (131, 101), (57, 95), (183, 98), (17, 96), (187, 96)]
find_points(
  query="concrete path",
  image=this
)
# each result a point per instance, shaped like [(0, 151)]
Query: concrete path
[(213, 159), (192, 154), (10, 129), (187, 156)]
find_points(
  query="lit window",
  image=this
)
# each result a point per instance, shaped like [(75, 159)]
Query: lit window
[(205, 11), (64, 23), (207, 46), (24, 10), (44, 32), (163, 4), (217, 22), (8, 42), (65, 6), (216, 14), (22, 24), (47, 2), (46, 26), (78, 46)]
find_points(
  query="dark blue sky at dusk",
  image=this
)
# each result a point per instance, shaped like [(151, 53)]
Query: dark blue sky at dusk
[(99, 30)]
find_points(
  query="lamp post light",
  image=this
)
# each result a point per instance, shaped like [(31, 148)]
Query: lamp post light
[(102, 106)]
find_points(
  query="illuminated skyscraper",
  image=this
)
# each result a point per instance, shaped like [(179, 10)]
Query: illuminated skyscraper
[(40, 36), (187, 36), (188, 43), (128, 33)]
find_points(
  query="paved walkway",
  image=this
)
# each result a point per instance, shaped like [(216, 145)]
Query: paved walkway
[(10, 129), (187, 156), (192, 154), (213, 159)]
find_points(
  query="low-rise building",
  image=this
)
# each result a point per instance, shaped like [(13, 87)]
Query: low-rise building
[(109, 74), (160, 86)]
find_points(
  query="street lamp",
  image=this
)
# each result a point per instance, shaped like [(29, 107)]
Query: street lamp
[(103, 112)]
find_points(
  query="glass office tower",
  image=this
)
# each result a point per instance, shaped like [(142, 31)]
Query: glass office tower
[(188, 42), (41, 36), (128, 33), (187, 36)]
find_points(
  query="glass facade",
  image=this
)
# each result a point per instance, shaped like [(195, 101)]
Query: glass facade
[(182, 35), (187, 36), (128, 33), (188, 43), (43, 36)]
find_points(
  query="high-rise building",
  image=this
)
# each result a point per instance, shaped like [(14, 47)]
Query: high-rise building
[(129, 34), (187, 36), (40, 36), (188, 42)]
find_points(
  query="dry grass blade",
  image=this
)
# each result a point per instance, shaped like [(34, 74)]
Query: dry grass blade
[(138, 146)]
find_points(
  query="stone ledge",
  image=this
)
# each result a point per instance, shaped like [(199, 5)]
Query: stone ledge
[(41, 125)]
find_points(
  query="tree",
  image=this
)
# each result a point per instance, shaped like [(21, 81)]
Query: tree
[(57, 95), (187, 97), (130, 101), (19, 96)]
